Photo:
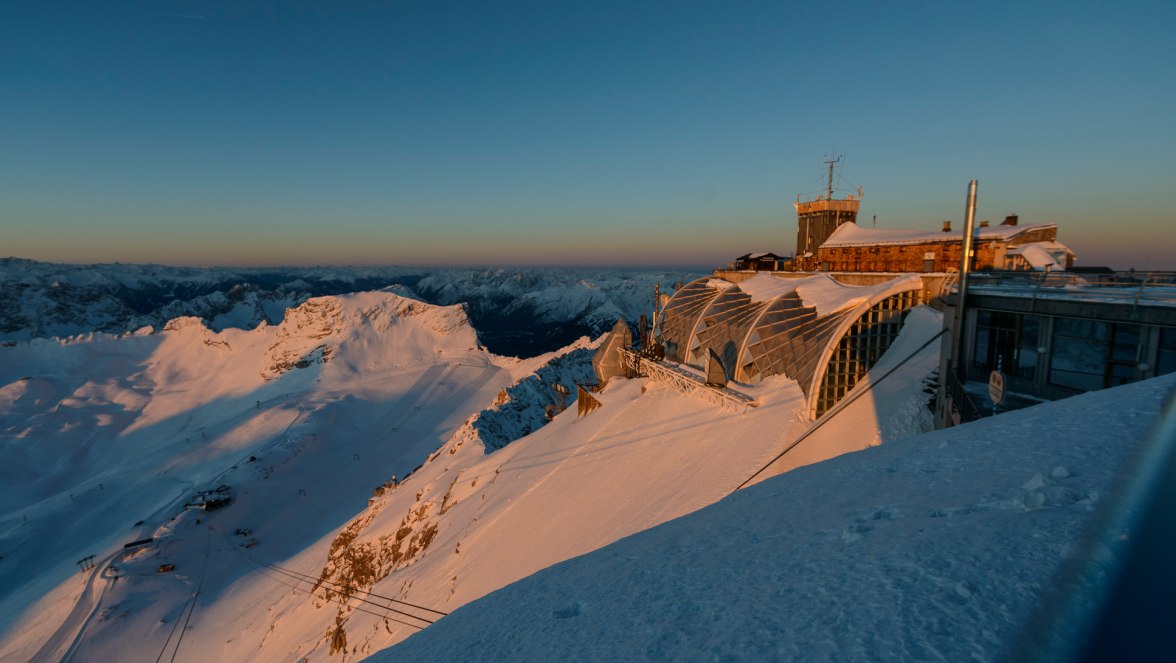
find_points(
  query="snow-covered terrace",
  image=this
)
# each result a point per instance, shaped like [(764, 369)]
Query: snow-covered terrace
[(1142, 289)]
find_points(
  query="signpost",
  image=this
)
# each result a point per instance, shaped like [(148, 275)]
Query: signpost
[(996, 388)]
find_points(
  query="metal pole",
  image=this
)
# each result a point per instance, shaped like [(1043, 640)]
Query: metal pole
[(829, 188), (965, 268)]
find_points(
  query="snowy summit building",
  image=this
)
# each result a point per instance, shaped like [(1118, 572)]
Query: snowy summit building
[(1007, 247), (821, 332)]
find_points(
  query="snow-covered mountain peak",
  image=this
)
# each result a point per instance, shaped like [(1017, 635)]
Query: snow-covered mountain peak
[(110, 438), (186, 323), (381, 326), (320, 317)]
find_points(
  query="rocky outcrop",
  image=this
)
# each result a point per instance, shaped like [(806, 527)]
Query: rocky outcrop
[(300, 340), (359, 557), (529, 401)]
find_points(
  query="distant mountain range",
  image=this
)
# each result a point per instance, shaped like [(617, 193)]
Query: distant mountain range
[(517, 312)]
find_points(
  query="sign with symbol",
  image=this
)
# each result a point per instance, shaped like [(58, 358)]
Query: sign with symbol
[(996, 387)]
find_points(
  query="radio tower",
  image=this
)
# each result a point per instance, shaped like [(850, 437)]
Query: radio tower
[(817, 219)]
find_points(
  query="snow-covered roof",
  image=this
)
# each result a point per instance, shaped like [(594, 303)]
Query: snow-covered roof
[(765, 287), (1042, 255), (760, 254), (1050, 247), (1036, 256), (828, 295), (851, 234), (820, 291)]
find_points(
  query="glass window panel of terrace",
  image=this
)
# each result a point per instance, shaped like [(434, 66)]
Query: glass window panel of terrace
[(1126, 345), (1166, 359), (1079, 353), (1025, 364), (1007, 340), (1124, 355), (858, 351)]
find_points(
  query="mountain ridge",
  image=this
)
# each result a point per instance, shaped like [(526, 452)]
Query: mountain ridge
[(518, 312)]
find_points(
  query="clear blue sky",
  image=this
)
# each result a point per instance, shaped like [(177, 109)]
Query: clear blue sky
[(239, 132)]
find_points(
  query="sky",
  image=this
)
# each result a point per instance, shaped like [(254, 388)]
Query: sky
[(549, 133)]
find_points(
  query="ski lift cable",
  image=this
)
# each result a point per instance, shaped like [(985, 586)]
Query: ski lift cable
[(196, 596), (264, 571), (306, 579), (175, 625), (836, 409), (311, 578), (296, 588), (189, 605), (337, 584), (302, 577)]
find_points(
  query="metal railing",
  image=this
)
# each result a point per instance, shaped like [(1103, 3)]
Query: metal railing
[(682, 381), (1149, 288), (961, 401)]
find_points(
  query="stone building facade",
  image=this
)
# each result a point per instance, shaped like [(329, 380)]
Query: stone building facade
[(1005, 247)]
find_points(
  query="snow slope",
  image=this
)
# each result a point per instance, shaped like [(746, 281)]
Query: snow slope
[(936, 547), (313, 426), (468, 522), (104, 439)]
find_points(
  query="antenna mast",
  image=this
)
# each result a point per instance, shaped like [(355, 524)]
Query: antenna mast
[(829, 187)]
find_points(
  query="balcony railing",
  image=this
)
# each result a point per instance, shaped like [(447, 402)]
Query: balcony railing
[(1149, 288)]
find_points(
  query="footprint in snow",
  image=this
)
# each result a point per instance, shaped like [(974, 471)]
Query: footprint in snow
[(572, 610)]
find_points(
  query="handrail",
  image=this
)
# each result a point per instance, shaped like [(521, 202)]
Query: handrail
[(687, 383), (1137, 289)]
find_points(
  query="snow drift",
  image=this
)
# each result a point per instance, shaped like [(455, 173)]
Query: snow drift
[(936, 547)]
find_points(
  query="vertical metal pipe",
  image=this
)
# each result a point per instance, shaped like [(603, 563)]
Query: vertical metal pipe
[(965, 268)]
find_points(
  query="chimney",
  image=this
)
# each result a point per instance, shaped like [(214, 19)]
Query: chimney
[(1010, 220), (947, 226), (984, 223)]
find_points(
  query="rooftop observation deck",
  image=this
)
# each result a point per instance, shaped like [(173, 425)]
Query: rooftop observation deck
[(1145, 297), (1153, 288), (850, 204)]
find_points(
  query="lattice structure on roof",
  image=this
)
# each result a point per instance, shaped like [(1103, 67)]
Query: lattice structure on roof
[(681, 312), (827, 350)]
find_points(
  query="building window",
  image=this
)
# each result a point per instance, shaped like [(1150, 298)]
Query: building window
[(1008, 341), (1078, 357), (1091, 354), (1124, 364), (861, 347), (1166, 359)]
